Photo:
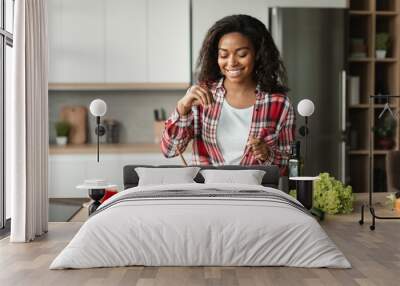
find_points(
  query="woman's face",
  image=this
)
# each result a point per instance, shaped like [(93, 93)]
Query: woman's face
[(236, 57)]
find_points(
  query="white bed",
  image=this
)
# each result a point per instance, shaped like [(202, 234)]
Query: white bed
[(249, 226)]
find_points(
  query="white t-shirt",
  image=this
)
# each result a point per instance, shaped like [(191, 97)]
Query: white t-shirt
[(232, 132)]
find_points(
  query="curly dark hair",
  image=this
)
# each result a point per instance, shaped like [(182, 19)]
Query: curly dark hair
[(269, 71)]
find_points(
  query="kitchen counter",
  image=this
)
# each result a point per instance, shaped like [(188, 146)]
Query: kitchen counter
[(132, 148), (70, 165)]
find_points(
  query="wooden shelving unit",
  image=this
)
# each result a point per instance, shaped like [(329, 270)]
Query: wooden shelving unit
[(377, 76)]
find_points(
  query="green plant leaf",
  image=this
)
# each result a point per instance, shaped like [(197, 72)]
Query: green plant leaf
[(382, 41), (62, 128)]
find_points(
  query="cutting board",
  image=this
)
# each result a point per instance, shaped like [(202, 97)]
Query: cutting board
[(77, 117)]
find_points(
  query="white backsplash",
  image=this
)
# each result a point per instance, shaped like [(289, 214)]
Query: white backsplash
[(133, 109)]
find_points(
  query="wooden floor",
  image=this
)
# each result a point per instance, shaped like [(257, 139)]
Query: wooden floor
[(374, 255)]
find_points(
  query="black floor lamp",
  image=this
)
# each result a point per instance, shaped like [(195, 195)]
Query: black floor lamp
[(304, 184), (98, 108), (305, 108)]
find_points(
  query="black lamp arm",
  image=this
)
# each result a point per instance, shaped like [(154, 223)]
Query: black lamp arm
[(100, 131)]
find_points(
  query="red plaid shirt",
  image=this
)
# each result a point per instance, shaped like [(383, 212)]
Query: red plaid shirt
[(273, 121)]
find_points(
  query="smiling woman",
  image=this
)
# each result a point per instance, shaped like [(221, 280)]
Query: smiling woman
[(238, 112), (236, 58)]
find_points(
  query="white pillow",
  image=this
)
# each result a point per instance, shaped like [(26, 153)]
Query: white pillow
[(249, 177), (166, 176)]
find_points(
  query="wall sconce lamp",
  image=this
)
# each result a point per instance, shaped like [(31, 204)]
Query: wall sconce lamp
[(98, 108), (305, 108)]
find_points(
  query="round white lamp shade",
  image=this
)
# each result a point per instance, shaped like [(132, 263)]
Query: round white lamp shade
[(305, 107), (98, 107)]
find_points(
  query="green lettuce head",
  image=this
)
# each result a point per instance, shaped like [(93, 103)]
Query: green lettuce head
[(332, 196)]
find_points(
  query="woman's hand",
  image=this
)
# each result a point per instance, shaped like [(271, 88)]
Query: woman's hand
[(259, 148), (196, 95)]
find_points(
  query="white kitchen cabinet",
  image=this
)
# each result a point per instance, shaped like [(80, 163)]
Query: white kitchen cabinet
[(68, 171), (206, 12), (125, 41), (81, 58), (109, 168), (168, 41), (55, 48), (65, 173), (119, 41)]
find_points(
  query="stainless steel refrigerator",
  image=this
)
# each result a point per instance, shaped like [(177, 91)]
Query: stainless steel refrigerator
[(313, 47)]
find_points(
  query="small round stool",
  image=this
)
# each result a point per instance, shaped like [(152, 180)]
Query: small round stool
[(96, 192), (304, 190)]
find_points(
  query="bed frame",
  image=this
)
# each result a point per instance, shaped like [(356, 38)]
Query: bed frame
[(270, 179)]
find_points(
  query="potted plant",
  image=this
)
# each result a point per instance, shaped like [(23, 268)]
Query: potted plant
[(384, 133), (62, 131), (381, 45)]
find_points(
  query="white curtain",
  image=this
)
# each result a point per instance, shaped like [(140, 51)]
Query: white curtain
[(27, 123)]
